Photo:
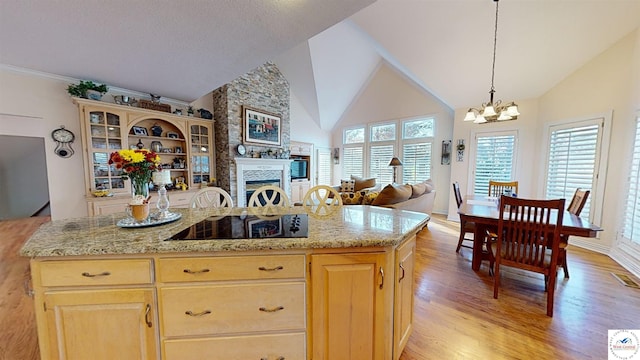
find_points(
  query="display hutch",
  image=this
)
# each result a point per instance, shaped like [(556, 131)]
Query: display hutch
[(301, 153), (185, 146)]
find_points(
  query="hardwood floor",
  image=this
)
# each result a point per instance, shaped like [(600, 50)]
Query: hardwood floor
[(456, 316)]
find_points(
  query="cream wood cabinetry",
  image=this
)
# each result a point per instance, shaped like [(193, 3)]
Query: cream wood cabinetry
[(403, 299), (237, 307), (351, 301), (300, 152), (95, 309), (298, 190), (185, 146)]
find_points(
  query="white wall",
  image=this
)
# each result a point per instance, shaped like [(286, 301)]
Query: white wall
[(303, 128), (388, 95)]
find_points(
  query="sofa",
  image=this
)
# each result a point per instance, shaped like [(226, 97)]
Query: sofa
[(418, 197)]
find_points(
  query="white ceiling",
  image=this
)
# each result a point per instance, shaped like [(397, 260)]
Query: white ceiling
[(184, 49)]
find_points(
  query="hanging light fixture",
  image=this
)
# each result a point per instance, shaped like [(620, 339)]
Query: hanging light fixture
[(493, 111)]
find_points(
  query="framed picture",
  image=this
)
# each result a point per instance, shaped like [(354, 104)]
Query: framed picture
[(178, 149), (261, 127), (139, 130), (264, 228), (172, 135)]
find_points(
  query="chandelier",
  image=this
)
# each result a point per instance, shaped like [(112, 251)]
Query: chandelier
[(493, 111)]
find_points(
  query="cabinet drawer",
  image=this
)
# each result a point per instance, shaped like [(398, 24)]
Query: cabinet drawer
[(231, 268), (285, 346), (95, 272), (180, 199), (225, 309)]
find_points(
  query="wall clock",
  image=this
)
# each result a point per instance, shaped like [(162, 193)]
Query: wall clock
[(63, 139), (241, 149)]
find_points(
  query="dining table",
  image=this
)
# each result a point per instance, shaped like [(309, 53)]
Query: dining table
[(484, 212)]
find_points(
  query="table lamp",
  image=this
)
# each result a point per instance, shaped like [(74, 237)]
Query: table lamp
[(395, 162), (161, 178)]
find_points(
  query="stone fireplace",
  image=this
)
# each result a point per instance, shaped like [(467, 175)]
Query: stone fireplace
[(253, 173)]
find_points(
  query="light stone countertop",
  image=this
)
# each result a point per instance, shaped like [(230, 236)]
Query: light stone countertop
[(349, 226)]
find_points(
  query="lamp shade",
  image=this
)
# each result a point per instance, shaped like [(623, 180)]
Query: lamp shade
[(395, 162)]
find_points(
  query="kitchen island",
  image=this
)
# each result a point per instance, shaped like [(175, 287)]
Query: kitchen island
[(345, 291)]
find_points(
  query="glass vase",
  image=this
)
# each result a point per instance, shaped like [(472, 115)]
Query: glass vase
[(140, 187)]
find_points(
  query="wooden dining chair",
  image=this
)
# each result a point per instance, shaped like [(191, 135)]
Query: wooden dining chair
[(497, 188), (466, 227), (211, 197), (528, 239), (575, 207), (322, 200), (269, 195)]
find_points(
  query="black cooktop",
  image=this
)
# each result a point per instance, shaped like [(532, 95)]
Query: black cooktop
[(247, 227)]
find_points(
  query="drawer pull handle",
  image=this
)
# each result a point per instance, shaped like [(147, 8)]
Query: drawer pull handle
[(86, 274), (277, 268), (402, 268), (147, 315), (188, 271), (279, 358), (264, 309), (190, 313), (381, 271)]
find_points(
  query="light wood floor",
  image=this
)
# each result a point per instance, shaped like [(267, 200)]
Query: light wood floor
[(456, 316)]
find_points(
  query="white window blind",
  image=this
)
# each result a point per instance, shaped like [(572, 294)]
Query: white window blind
[(379, 158), (631, 230), (494, 160), (572, 161), (323, 166), (416, 162), (353, 160)]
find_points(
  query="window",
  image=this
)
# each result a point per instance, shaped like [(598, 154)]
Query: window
[(573, 160), (495, 160), (381, 151), (353, 157), (631, 228), (383, 141)]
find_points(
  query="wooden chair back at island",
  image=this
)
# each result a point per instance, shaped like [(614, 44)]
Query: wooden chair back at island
[(269, 195), (497, 188), (211, 197), (466, 227), (575, 207), (322, 200), (528, 239)]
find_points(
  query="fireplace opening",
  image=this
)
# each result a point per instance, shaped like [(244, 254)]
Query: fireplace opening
[(252, 185)]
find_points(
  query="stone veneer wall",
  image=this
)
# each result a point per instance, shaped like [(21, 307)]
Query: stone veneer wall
[(264, 88)]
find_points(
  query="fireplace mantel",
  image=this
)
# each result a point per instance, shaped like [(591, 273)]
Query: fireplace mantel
[(246, 165)]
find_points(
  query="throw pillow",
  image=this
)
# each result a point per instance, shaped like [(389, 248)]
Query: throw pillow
[(347, 186), (393, 194), (429, 184), (369, 197), (353, 198), (362, 183), (418, 189)]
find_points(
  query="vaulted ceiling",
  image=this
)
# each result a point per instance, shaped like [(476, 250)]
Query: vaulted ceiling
[(328, 49)]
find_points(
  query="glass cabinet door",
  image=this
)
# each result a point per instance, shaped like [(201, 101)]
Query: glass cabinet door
[(105, 138), (200, 154)]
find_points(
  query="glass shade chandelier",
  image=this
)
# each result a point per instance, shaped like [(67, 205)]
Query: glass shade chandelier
[(493, 111)]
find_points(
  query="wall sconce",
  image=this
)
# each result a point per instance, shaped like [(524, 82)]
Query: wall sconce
[(336, 156), (460, 149)]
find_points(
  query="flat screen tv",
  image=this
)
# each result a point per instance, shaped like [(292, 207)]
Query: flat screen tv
[(299, 169)]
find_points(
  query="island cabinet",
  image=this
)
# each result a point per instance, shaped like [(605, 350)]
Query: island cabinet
[(185, 146), (403, 298), (95, 309), (236, 307)]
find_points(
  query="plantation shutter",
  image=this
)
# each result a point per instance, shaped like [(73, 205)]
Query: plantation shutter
[(416, 162), (379, 158), (353, 160), (494, 160), (572, 161), (631, 229), (323, 176)]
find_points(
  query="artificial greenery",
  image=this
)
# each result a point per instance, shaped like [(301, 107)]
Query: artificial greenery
[(80, 90)]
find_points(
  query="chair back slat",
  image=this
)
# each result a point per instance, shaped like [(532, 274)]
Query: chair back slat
[(577, 202), (456, 193), (211, 197), (269, 196)]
